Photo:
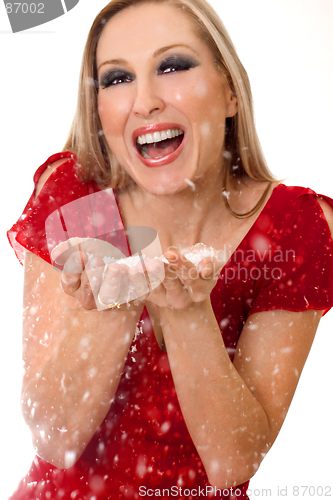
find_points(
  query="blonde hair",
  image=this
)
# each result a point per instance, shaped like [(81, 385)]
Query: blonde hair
[(242, 152)]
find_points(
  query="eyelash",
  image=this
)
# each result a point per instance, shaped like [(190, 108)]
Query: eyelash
[(174, 64), (113, 76), (170, 65)]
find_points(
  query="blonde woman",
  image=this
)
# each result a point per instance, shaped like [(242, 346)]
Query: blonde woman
[(181, 389)]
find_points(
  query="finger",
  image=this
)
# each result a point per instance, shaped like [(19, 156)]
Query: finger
[(110, 288), (173, 271), (73, 268), (61, 253), (210, 268), (176, 293), (70, 283), (175, 259), (94, 272), (85, 293), (76, 262), (127, 291), (185, 269), (206, 268), (155, 272), (198, 281), (138, 284)]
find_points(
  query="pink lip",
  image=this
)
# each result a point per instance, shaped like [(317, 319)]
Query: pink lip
[(150, 129)]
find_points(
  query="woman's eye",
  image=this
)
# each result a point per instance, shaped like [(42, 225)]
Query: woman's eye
[(174, 64), (115, 78)]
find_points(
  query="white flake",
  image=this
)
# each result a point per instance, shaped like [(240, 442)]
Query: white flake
[(70, 458)]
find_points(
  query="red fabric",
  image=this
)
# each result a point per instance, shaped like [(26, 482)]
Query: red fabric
[(284, 262)]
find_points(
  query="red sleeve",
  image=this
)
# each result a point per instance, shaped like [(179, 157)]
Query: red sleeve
[(299, 272), (20, 235), (66, 208)]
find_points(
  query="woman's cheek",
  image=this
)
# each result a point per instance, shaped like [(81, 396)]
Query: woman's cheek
[(114, 111), (200, 90), (206, 130), (101, 113)]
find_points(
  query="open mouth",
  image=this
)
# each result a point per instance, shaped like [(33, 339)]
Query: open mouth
[(159, 144)]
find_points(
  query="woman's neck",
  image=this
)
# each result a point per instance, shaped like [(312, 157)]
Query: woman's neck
[(194, 215), (181, 217)]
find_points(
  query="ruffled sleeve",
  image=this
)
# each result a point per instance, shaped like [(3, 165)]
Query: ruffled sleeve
[(28, 233), (66, 208), (297, 273)]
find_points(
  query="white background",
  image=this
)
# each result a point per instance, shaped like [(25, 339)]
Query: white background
[(286, 47)]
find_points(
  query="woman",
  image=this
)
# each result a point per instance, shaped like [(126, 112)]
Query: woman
[(118, 411)]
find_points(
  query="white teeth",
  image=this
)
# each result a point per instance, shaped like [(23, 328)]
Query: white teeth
[(159, 136)]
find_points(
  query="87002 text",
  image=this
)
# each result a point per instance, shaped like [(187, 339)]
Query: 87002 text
[(25, 8), (294, 491)]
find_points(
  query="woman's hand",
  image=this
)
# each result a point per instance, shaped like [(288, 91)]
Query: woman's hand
[(184, 283), (82, 261), (94, 283)]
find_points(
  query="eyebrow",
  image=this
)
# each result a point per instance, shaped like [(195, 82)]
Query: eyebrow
[(157, 53)]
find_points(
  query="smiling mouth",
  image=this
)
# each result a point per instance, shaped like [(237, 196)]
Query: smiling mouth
[(159, 144)]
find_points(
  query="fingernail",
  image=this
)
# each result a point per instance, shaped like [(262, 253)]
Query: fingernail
[(94, 263), (208, 270), (114, 270), (151, 265), (171, 256)]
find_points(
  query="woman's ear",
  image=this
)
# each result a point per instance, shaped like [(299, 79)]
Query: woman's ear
[(231, 102)]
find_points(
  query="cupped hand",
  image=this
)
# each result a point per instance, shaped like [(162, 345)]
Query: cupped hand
[(94, 283), (184, 283), (82, 261)]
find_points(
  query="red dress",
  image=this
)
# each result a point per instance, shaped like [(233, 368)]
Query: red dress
[(284, 262)]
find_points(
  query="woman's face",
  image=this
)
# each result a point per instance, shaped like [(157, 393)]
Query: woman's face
[(161, 101)]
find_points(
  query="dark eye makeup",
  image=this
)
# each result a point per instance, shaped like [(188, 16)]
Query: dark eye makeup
[(172, 64), (176, 63), (115, 77)]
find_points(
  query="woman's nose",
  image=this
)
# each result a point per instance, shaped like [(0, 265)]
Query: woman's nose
[(147, 100)]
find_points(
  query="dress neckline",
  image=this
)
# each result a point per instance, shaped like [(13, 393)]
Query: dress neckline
[(255, 222)]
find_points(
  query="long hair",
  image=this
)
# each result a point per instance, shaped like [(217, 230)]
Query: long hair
[(242, 151)]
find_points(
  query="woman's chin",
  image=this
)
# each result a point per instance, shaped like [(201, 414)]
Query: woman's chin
[(167, 186), (167, 179)]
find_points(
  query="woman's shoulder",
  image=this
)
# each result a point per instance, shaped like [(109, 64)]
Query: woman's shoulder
[(56, 184), (302, 202), (296, 228), (48, 167), (297, 192), (62, 167), (327, 208)]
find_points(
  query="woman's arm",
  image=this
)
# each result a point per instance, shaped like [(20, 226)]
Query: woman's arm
[(235, 411), (73, 354), (73, 361)]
